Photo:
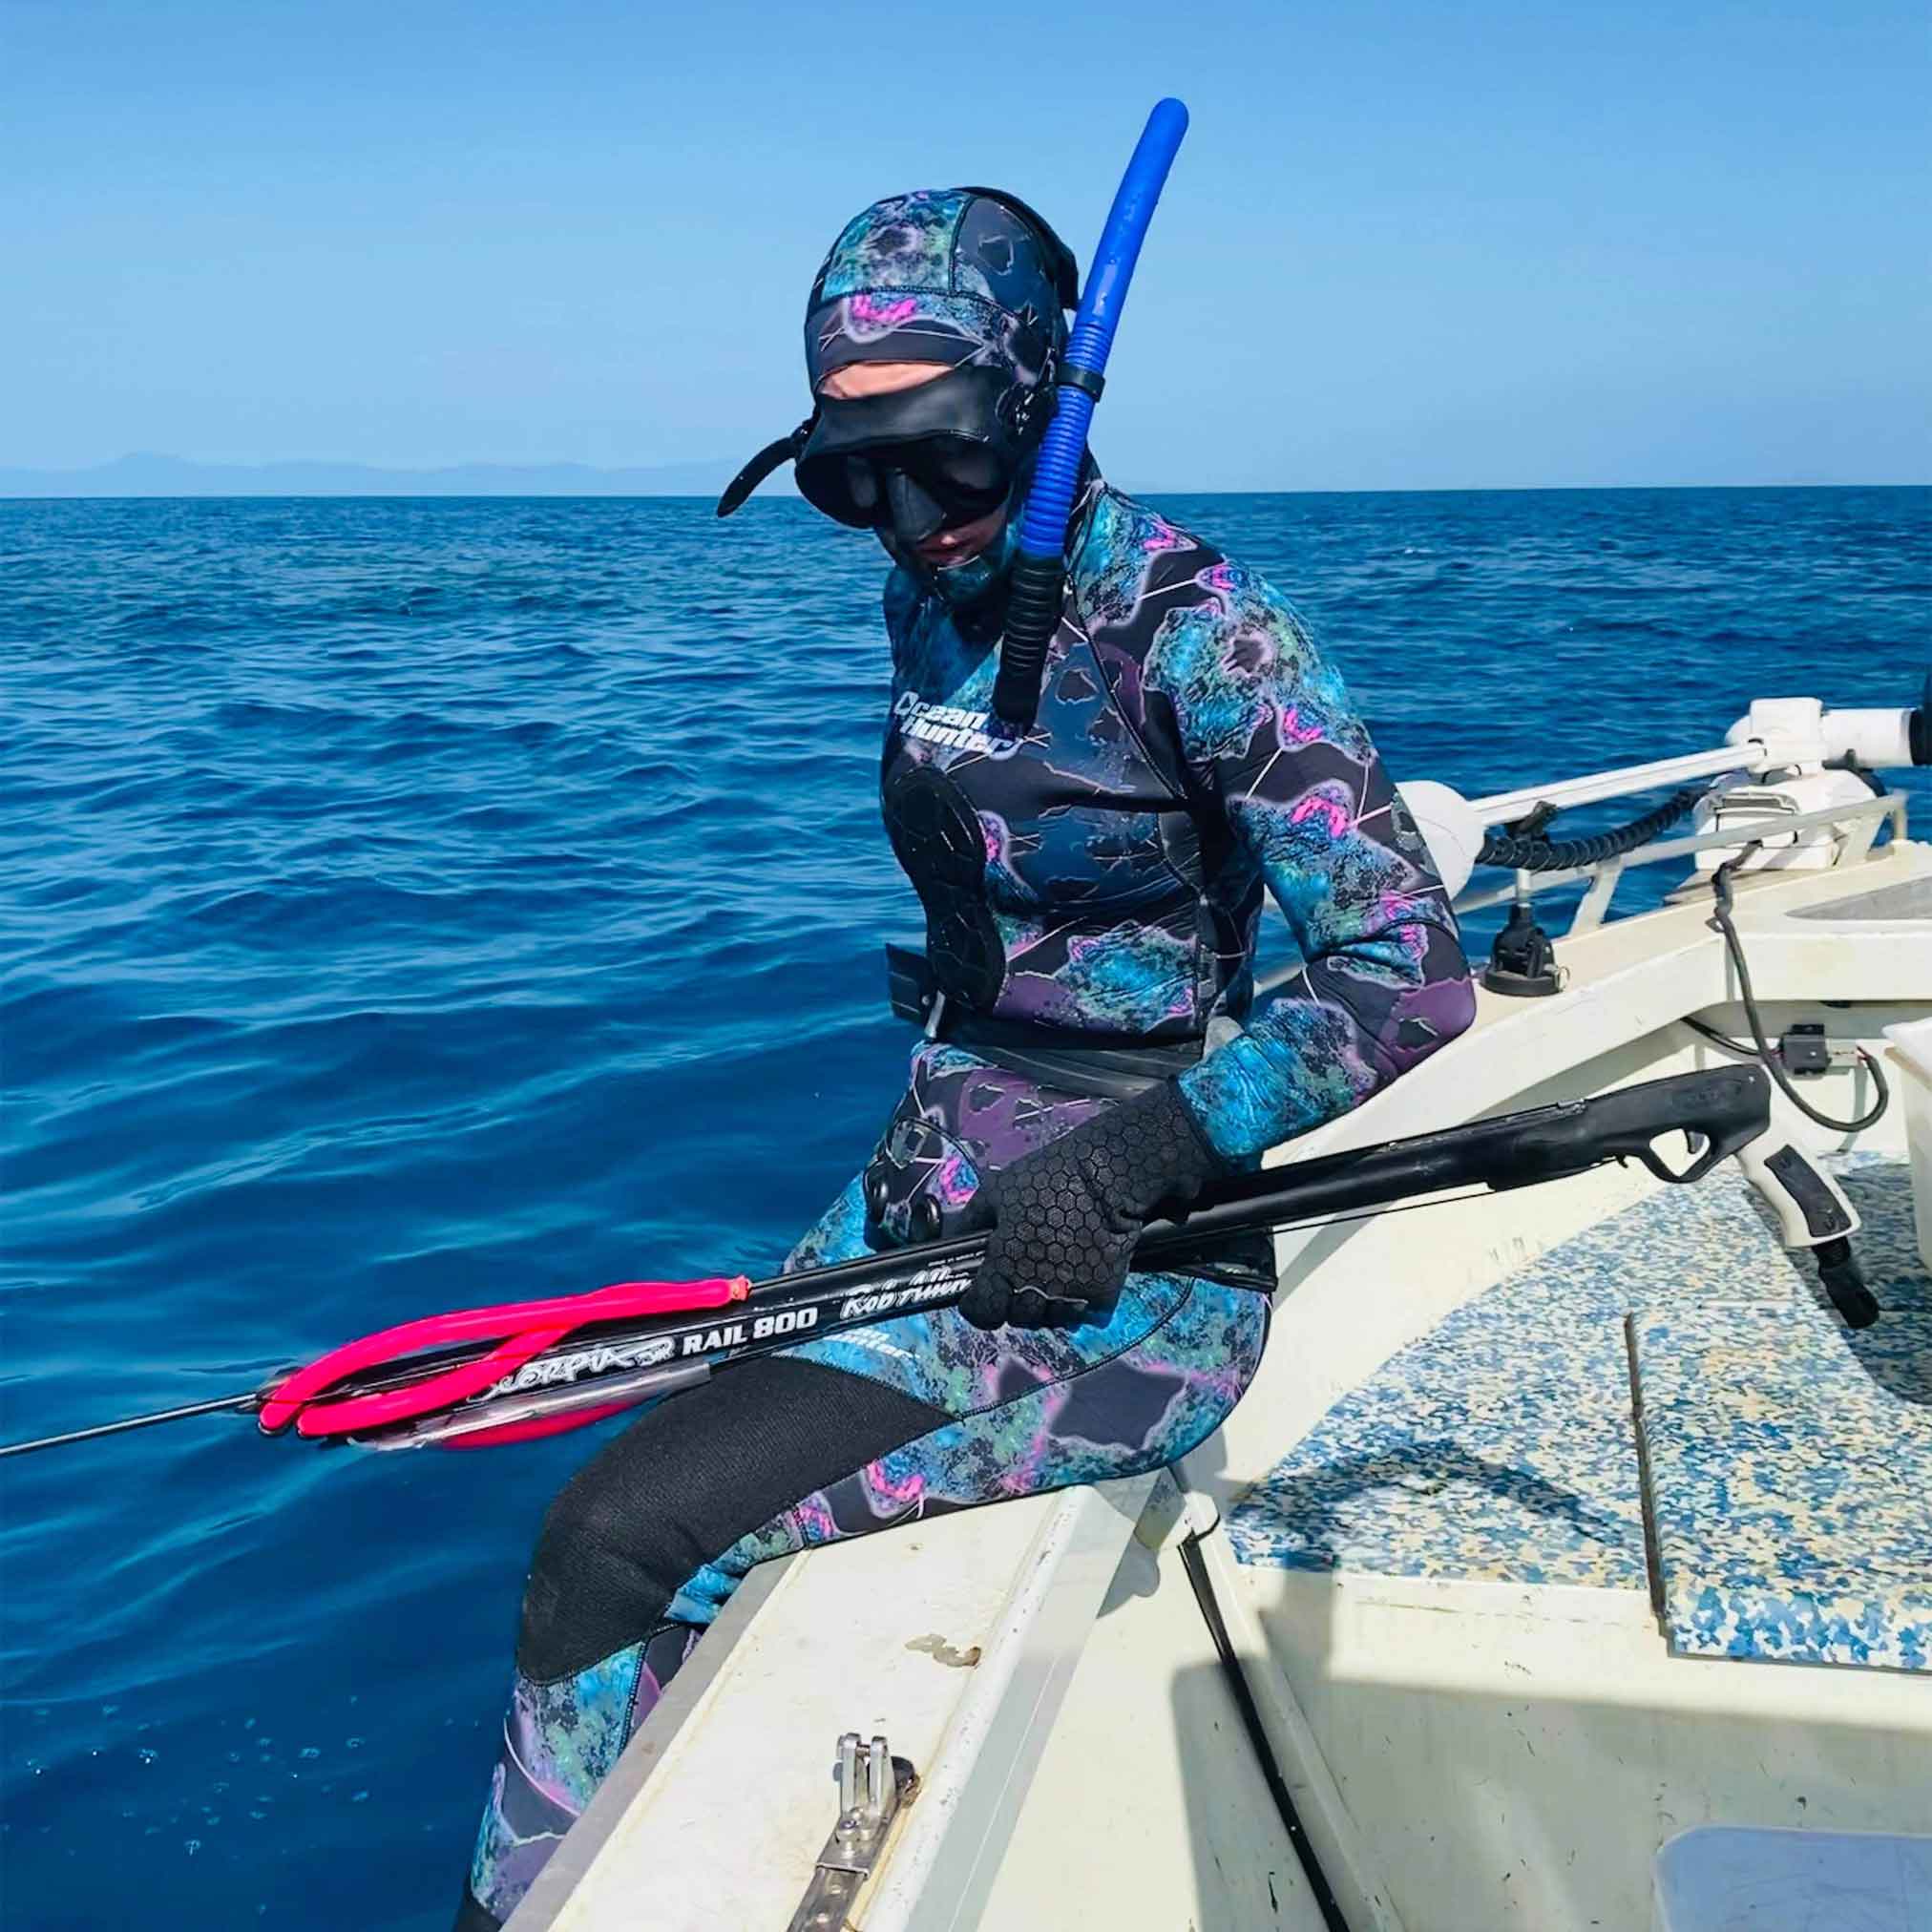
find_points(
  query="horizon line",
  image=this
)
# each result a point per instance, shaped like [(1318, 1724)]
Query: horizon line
[(767, 497), (154, 475)]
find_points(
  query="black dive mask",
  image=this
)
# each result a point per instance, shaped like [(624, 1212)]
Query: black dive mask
[(910, 490), (910, 462)]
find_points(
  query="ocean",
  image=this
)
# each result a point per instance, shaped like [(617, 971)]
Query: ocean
[(410, 904)]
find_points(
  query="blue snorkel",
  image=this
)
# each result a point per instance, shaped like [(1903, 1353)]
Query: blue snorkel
[(1040, 568)]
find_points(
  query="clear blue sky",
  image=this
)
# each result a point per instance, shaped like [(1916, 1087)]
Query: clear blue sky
[(1405, 245)]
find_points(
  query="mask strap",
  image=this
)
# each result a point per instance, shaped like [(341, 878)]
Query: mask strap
[(769, 458)]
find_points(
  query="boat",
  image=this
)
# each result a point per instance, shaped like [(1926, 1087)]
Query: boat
[(1568, 1564)]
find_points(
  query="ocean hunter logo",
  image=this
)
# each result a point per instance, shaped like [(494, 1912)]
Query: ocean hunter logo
[(949, 725)]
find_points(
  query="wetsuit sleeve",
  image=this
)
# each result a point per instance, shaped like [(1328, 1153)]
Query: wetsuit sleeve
[(1268, 729)]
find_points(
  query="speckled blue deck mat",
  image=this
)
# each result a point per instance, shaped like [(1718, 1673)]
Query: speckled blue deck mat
[(1502, 1446)]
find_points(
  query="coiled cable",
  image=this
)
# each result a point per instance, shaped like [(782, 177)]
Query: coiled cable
[(1528, 851)]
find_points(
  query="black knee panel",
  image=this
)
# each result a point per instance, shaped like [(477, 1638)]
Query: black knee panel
[(681, 1485)]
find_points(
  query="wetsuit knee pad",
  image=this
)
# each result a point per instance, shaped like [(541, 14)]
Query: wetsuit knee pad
[(681, 1485)]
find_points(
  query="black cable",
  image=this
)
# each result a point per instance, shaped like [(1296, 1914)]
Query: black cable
[(1850, 762), (1530, 853), (1325, 1899), (1741, 1048), (1763, 1051)]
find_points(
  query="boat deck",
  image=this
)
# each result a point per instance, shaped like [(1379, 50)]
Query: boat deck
[(1777, 1499)]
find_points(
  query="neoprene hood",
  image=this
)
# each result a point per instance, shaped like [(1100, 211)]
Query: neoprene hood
[(968, 278)]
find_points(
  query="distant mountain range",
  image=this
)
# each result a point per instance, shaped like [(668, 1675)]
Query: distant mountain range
[(151, 475)]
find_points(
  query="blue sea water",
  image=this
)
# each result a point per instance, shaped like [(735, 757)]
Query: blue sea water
[(410, 904)]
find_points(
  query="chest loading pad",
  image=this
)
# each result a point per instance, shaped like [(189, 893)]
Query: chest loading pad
[(936, 836)]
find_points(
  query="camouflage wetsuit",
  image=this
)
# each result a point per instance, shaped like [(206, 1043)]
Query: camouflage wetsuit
[(1191, 749)]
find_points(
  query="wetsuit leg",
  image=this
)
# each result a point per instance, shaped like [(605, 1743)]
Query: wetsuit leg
[(648, 1541), (606, 1619)]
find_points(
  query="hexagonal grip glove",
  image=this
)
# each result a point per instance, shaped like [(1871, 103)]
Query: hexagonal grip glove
[(1066, 1217)]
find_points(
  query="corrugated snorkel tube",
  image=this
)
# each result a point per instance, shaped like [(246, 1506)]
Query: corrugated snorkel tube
[(1040, 568)]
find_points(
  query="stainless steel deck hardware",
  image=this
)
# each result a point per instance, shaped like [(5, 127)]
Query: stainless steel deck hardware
[(872, 1784)]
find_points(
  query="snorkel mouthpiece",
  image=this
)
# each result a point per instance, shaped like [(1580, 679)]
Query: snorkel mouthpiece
[(1039, 578)]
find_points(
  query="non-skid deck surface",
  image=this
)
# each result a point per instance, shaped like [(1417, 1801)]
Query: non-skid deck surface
[(1502, 1447), (1790, 1481)]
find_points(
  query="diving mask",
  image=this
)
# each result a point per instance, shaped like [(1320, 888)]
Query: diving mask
[(908, 462)]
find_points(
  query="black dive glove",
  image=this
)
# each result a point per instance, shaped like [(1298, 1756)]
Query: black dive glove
[(1066, 1218)]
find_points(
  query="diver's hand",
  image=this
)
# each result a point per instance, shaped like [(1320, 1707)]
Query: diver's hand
[(1065, 1219)]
